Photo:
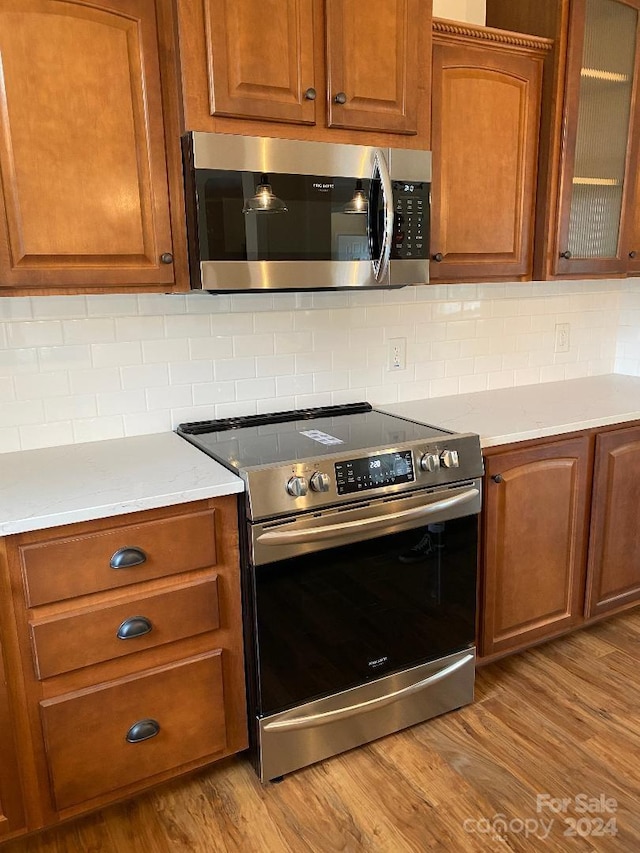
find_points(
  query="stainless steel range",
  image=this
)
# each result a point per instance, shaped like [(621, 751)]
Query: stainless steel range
[(359, 544)]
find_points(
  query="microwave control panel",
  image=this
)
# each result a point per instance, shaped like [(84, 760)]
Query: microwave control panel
[(411, 220)]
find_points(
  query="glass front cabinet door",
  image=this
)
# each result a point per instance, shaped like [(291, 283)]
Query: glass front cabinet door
[(598, 230)]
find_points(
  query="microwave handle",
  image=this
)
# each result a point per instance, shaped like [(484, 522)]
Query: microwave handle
[(380, 166)]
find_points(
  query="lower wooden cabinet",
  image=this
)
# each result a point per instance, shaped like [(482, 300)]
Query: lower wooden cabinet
[(614, 554), (124, 658), (535, 534), (560, 536), (12, 818)]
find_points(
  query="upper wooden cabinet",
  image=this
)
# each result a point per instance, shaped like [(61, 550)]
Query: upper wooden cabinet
[(588, 221), (614, 555), (485, 125), (307, 69), (84, 199)]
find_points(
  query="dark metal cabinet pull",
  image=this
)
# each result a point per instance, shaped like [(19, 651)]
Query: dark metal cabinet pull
[(125, 558), (566, 255), (340, 98), (632, 254), (136, 626), (310, 94), (143, 730), (438, 257), (166, 258), (497, 478)]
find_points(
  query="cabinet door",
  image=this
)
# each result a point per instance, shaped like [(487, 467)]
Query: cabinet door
[(11, 811), (260, 59), (84, 181), (600, 93), (614, 551), (535, 529), (485, 120), (372, 63)]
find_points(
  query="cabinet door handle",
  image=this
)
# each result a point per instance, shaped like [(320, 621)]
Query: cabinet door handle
[(143, 730), (632, 254), (310, 94), (166, 258), (438, 257), (340, 98), (125, 558), (135, 626), (566, 255), (497, 478)]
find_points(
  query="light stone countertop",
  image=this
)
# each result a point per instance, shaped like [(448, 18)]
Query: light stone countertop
[(509, 415), (78, 482)]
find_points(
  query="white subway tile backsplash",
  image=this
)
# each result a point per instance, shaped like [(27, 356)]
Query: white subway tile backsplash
[(121, 402), (36, 333), (92, 367), (38, 386), (95, 380), (116, 354)]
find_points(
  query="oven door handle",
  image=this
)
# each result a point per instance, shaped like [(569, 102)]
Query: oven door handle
[(331, 531), (332, 716)]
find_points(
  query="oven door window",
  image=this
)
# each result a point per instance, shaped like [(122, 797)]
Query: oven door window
[(315, 227), (334, 619)]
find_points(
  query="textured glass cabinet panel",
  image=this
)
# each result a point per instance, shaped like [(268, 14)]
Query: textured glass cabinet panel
[(606, 84)]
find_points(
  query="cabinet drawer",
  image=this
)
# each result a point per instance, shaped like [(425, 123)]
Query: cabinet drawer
[(77, 565), (72, 641), (86, 732)]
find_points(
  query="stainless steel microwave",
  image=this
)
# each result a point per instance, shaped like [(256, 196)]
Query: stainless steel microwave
[(278, 214)]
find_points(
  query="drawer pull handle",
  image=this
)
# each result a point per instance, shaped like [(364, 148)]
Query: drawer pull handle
[(143, 730), (125, 558), (136, 626)]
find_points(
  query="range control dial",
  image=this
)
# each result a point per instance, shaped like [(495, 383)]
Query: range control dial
[(429, 462), (297, 487), (319, 482), (449, 459)]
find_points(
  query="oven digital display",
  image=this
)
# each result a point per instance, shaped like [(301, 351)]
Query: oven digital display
[(371, 472)]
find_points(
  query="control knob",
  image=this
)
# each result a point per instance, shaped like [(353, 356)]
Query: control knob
[(297, 487), (319, 482), (430, 462), (449, 458)]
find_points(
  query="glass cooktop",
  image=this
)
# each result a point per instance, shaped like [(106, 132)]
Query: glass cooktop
[(245, 443)]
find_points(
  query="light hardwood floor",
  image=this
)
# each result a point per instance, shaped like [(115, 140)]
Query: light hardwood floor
[(561, 720)]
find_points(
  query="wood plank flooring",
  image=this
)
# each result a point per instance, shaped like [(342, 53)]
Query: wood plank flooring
[(561, 720)]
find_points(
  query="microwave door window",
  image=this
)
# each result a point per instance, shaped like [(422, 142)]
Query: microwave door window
[(318, 224)]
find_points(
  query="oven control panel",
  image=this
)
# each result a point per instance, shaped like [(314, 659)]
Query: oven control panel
[(373, 472)]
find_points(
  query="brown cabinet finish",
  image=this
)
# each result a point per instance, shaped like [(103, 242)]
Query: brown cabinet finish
[(104, 632), (88, 750), (372, 61), (535, 534), (69, 563), (11, 808), (84, 203), (308, 69), (260, 59), (485, 125), (75, 689), (613, 580), (587, 222)]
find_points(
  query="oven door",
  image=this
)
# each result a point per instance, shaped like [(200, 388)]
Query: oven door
[(348, 596)]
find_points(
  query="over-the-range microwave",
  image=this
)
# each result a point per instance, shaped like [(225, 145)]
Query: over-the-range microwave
[(278, 214)]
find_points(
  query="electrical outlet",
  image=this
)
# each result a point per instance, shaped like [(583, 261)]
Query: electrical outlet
[(562, 337), (397, 354)]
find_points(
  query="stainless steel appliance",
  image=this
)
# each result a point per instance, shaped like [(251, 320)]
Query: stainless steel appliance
[(278, 214), (359, 543)]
